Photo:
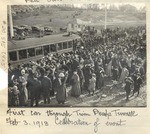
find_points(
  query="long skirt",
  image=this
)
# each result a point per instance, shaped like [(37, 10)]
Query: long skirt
[(76, 90), (61, 94)]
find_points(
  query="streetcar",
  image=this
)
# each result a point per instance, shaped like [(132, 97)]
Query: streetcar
[(32, 49)]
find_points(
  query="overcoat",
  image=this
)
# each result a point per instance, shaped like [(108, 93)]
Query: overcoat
[(75, 90)]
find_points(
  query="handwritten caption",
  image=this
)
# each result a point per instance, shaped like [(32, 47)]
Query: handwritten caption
[(38, 1), (16, 117), (3, 43)]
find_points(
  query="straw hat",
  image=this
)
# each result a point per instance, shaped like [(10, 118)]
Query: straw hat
[(61, 75)]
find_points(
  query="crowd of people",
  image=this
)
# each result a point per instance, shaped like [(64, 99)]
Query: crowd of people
[(118, 54)]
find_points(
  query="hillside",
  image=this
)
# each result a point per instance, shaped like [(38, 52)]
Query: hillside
[(57, 17)]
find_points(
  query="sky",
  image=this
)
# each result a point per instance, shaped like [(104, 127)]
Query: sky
[(137, 5)]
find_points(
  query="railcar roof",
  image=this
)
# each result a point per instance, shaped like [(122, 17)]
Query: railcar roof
[(31, 42)]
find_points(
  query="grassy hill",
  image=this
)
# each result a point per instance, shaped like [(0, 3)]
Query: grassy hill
[(57, 17)]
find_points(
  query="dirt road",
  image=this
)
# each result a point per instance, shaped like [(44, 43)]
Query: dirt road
[(110, 96)]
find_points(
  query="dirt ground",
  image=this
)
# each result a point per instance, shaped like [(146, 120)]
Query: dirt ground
[(110, 96)]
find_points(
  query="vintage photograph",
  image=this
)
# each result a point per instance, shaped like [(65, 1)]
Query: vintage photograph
[(77, 55)]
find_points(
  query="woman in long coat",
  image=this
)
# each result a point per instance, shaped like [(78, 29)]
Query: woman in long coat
[(81, 76), (124, 74), (61, 88), (100, 78), (109, 67), (23, 98), (76, 90)]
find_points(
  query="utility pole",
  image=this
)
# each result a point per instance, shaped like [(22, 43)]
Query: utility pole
[(10, 22), (105, 15)]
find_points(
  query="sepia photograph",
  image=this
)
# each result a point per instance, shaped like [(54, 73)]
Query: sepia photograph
[(77, 55)]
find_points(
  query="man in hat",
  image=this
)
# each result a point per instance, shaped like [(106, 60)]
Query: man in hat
[(128, 82), (46, 86), (35, 89), (137, 83), (87, 74)]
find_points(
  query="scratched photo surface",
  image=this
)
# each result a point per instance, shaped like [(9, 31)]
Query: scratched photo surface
[(77, 55)]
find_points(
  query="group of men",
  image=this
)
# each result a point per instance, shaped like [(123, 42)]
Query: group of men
[(119, 54)]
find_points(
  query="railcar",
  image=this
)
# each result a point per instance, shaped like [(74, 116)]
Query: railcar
[(32, 49)]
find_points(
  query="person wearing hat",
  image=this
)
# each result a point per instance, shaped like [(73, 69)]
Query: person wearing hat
[(87, 75), (46, 86), (35, 89), (137, 83), (24, 74), (127, 88), (92, 84), (60, 87)]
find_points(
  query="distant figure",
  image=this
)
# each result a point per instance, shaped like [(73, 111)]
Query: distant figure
[(92, 84), (15, 95), (61, 88), (109, 67), (100, 78), (115, 73), (137, 83), (124, 74), (35, 90), (75, 81), (87, 74), (46, 86), (23, 97), (81, 76), (128, 82)]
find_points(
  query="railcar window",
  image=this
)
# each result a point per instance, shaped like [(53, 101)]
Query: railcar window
[(69, 44), (13, 56), (46, 49), (31, 52), (64, 45), (59, 46), (53, 48), (38, 51), (22, 54)]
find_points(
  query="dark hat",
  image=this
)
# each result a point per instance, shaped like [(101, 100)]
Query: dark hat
[(42, 70)]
